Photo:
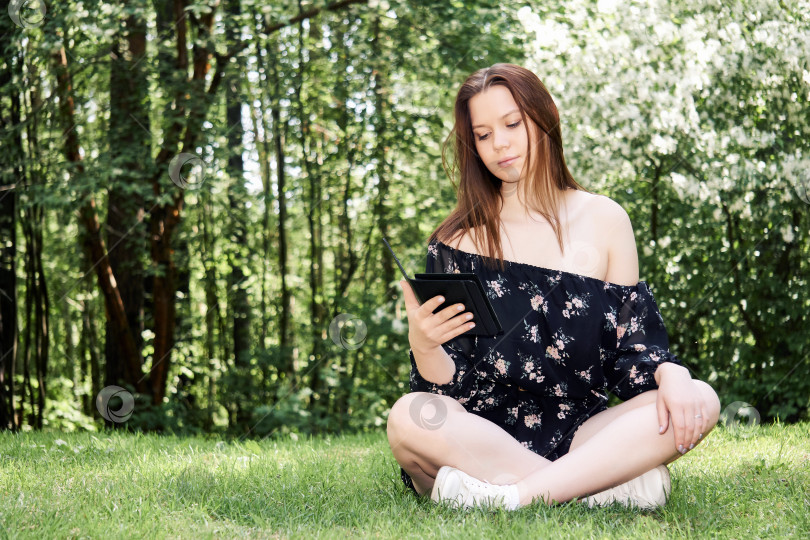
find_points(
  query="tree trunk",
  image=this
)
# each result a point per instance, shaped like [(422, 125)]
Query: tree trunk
[(287, 360), (8, 301), (381, 105), (347, 260), (42, 314), (36, 293), (237, 198), (88, 218), (10, 178), (316, 300), (126, 232), (211, 311), (29, 301), (191, 98), (263, 149)]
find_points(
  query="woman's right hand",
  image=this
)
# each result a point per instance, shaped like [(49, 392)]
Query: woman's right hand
[(428, 330)]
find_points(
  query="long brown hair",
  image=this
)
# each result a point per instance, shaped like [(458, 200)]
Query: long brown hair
[(479, 190)]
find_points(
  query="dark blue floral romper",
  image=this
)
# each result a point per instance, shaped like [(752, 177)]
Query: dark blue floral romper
[(568, 340)]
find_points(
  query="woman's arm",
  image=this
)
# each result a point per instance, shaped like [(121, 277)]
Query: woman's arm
[(434, 365), (678, 397)]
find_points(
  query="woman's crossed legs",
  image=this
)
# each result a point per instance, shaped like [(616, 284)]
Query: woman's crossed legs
[(612, 447)]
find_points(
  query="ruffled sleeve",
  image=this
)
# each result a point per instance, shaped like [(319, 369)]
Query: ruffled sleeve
[(460, 349), (642, 344)]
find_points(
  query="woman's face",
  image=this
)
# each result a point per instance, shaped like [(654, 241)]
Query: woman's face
[(500, 135)]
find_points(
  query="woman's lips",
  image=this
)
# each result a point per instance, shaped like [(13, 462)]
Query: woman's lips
[(507, 162)]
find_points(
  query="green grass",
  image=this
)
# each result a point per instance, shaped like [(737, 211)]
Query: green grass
[(736, 484)]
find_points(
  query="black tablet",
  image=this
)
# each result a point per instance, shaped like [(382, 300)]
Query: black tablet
[(457, 288)]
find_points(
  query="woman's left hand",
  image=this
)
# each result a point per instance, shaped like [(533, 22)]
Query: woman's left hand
[(680, 400)]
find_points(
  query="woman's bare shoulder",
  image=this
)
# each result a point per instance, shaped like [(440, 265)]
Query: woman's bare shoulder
[(616, 233), (603, 205), (462, 240)]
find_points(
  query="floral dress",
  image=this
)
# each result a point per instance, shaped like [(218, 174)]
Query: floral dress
[(568, 340)]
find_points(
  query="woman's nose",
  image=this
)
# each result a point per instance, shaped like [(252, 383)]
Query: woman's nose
[(501, 139)]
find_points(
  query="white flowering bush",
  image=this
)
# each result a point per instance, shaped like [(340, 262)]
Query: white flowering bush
[(694, 116)]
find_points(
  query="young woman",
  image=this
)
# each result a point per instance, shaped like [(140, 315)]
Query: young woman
[(523, 416)]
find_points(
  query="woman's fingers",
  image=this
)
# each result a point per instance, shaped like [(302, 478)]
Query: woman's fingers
[(663, 414), (457, 331), (426, 309), (685, 424), (438, 327), (698, 427), (410, 298), (456, 322), (694, 425), (681, 433), (454, 313)]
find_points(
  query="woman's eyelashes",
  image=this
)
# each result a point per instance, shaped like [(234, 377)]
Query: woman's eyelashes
[(516, 124)]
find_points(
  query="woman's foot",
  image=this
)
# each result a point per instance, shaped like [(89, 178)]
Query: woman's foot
[(459, 489), (650, 490)]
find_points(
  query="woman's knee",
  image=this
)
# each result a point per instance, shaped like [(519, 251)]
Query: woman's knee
[(419, 411), (712, 401)]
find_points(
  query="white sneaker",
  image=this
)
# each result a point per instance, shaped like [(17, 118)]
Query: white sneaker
[(650, 490), (460, 489)]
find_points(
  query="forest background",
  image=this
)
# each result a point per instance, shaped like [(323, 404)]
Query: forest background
[(193, 195)]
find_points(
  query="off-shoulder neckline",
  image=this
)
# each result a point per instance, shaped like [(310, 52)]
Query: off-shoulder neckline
[(544, 269)]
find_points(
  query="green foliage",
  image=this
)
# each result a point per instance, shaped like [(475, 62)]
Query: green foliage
[(63, 415), (689, 114)]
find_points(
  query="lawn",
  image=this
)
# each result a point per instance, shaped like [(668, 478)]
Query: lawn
[(752, 483)]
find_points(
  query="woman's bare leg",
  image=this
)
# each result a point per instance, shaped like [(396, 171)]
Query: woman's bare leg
[(428, 431), (597, 422), (599, 459), (487, 452)]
